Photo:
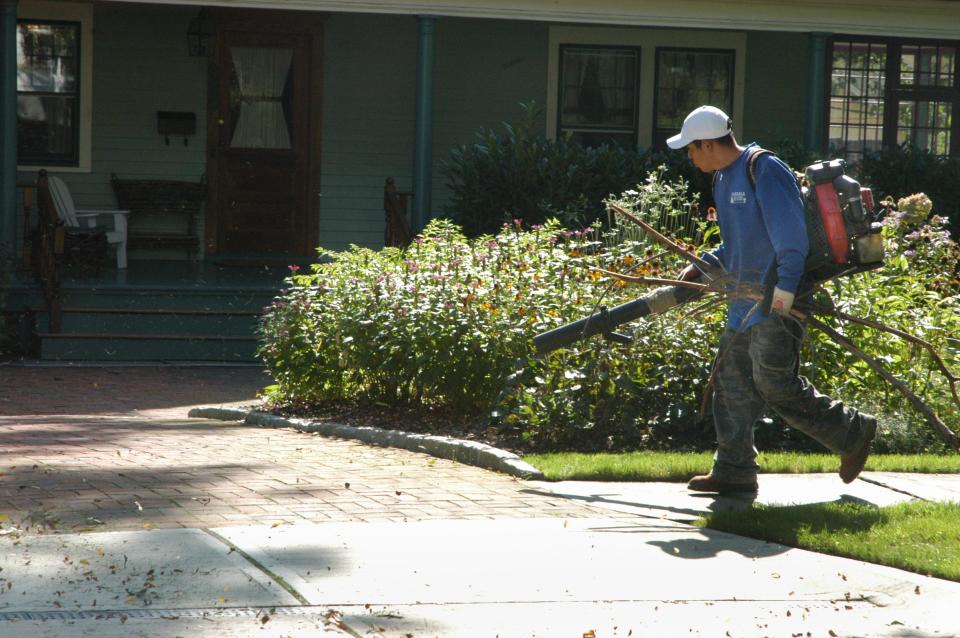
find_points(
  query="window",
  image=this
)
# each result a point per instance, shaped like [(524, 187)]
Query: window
[(48, 92), (686, 79), (598, 95), (886, 92)]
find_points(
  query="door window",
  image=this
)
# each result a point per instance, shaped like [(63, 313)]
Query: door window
[(261, 97)]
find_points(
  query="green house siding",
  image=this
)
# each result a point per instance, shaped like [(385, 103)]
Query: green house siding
[(776, 87), (483, 70), (141, 66)]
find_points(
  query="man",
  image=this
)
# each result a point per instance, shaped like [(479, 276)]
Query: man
[(764, 239)]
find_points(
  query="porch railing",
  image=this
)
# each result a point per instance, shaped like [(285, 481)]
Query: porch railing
[(51, 237)]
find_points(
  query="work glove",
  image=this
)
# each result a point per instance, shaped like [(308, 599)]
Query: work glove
[(782, 302), (690, 273)]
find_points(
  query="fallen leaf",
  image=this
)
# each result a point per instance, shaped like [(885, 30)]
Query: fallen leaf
[(590, 633), (123, 618), (917, 589)]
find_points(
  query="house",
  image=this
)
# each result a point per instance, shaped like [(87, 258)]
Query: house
[(296, 111)]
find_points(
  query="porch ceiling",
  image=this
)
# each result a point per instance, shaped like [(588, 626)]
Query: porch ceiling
[(909, 18)]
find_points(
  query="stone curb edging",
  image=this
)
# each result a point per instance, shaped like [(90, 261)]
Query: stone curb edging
[(466, 452)]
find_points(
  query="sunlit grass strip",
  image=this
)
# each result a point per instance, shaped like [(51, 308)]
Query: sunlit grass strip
[(680, 466), (920, 537)]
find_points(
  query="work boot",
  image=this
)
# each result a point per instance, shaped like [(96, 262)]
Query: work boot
[(710, 483), (852, 464)]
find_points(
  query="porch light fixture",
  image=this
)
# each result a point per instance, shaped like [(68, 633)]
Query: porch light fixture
[(198, 35)]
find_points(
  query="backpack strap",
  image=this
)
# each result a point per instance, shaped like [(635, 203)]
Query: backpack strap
[(752, 156)]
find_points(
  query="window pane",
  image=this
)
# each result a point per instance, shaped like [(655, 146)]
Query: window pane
[(687, 79), (599, 88), (47, 57), (45, 129), (598, 95), (925, 124), (927, 66), (857, 86)]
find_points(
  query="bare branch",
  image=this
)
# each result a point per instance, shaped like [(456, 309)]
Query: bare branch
[(945, 433), (906, 336), (704, 266)]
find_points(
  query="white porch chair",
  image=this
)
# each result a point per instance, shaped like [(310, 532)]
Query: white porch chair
[(72, 217)]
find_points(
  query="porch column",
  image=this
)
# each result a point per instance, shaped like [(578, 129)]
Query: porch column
[(816, 89), (8, 123), (423, 132)]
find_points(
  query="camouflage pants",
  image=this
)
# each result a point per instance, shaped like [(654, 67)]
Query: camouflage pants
[(758, 369)]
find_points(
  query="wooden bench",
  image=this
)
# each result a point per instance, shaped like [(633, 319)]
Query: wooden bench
[(163, 213)]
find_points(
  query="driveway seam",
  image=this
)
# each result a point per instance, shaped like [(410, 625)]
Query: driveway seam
[(466, 452), (290, 589)]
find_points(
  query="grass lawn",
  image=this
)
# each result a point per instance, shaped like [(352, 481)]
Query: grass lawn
[(919, 537), (680, 466)]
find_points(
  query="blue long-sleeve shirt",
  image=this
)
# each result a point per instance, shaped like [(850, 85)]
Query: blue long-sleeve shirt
[(759, 225)]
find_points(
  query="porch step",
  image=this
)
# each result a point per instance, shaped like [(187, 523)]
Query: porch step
[(161, 311), (160, 321), (151, 334)]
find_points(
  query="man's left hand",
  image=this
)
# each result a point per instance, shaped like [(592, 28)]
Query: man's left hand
[(782, 302)]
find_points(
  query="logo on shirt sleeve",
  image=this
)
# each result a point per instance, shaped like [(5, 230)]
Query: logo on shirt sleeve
[(738, 197)]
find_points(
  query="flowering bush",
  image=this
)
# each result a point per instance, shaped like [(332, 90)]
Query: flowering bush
[(448, 322), (441, 323)]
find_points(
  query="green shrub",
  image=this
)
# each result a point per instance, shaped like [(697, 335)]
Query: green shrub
[(448, 323), (441, 323), (520, 174)]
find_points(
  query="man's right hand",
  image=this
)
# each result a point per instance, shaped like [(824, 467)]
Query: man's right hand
[(690, 273)]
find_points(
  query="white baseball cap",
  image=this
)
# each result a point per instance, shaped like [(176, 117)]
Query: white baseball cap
[(703, 123)]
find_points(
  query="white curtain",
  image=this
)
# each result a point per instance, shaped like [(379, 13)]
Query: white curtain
[(261, 75)]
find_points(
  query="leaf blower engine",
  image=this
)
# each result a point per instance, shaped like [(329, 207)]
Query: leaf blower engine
[(842, 225)]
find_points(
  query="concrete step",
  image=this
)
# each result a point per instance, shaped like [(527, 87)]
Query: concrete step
[(67, 346)]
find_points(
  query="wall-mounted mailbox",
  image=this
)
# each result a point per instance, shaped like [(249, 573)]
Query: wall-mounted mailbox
[(176, 123)]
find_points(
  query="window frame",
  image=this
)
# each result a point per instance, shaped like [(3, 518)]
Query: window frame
[(894, 92), (659, 137), (635, 129), (647, 39), (74, 158), (82, 13)]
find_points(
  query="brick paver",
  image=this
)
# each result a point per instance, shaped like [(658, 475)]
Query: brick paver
[(112, 449)]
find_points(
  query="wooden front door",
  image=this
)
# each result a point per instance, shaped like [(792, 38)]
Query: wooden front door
[(262, 145)]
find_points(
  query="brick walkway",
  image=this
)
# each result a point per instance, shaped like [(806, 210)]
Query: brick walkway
[(103, 449)]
